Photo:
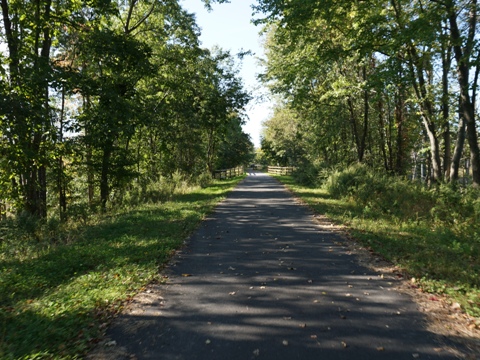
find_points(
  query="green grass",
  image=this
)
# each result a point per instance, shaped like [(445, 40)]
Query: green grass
[(55, 299), (443, 259)]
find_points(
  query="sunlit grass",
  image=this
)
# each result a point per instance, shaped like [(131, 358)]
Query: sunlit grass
[(55, 298)]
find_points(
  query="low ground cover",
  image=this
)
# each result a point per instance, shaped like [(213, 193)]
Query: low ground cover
[(58, 293)]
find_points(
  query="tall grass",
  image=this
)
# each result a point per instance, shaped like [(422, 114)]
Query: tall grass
[(61, 282)]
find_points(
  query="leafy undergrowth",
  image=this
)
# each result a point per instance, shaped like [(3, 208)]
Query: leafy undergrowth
[(55, 299), (444, 258)]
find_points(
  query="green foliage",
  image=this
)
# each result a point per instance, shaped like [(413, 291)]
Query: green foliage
[(56, 296), (307, 173), (343, 183), (356, 79), (204, 179), (235, 149), (115, 94), (443, 206), (457, 207)]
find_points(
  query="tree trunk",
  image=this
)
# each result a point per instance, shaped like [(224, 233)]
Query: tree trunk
[(353, 123), (463, 53), (42, 192), (88, 159), (446, 64), (104, 185), (366, 107), (436, 170), (400, 143), (420, 87), (457, 153), (382, 135), (61, 187)]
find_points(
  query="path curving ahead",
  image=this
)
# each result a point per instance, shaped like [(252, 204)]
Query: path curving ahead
[(261, 280)]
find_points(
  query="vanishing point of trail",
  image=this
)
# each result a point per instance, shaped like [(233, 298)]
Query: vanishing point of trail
[(260, 279)]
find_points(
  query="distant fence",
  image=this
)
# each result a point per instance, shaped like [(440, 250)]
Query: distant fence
[(228, 173), (279, 170)]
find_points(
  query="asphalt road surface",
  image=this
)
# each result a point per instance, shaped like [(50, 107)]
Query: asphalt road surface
[(261, 280)]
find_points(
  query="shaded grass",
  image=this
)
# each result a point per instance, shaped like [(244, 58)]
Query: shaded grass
[(441, 259), (55, 300)]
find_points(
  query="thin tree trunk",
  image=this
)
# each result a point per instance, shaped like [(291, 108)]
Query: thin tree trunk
[(88, 158), (366, 108), (382, 135), (446, 64), (457, 153), (62, 197), (353, 123), (104, 178), (400, 143)]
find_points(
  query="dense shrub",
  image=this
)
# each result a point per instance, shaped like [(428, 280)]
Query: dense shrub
[(442, 206), (307, 173), (345, 182)]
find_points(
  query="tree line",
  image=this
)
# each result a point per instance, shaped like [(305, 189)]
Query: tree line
[(99, 96), (381, 82)]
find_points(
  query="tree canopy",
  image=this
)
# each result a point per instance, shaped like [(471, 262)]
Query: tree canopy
[(97, 97), (390, 83)]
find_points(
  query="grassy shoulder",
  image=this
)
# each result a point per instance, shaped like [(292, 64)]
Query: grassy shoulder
[(56, 298), (441, 258)]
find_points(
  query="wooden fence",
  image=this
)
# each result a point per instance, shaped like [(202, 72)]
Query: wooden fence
[(279, 170), (228, 173)]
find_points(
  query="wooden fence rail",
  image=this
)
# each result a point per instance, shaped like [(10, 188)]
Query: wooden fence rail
[(281, 170), (228, 173)]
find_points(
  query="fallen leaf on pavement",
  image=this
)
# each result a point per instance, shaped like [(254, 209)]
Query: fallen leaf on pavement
[(456, 306)]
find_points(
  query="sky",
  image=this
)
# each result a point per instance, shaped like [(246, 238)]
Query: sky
[(229, 27)]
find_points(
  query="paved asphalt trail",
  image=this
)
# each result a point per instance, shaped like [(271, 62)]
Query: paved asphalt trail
[(266, 282)]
